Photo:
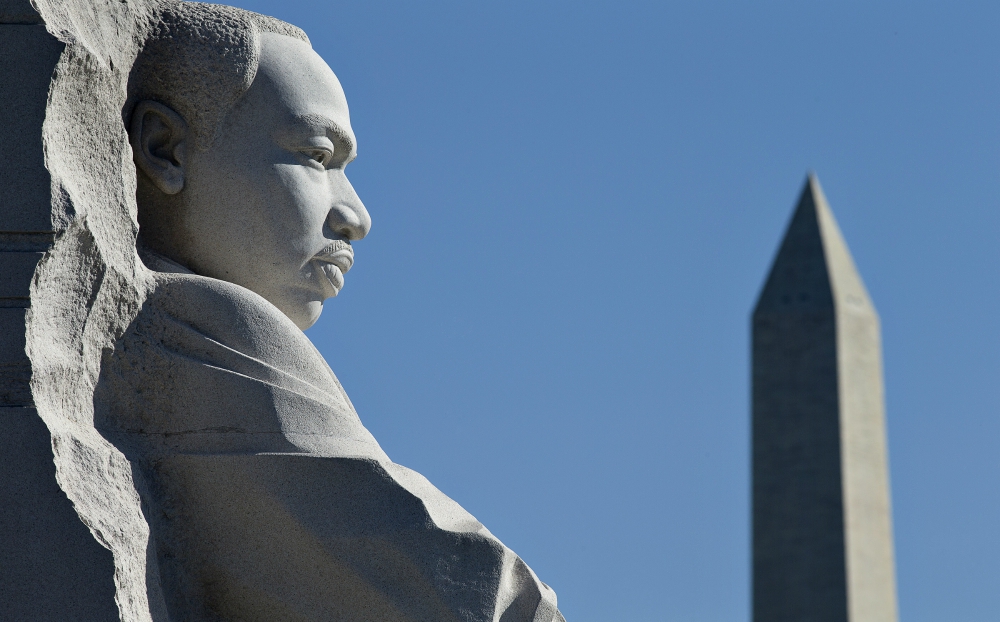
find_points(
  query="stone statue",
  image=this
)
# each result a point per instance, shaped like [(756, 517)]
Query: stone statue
[(266, 498)]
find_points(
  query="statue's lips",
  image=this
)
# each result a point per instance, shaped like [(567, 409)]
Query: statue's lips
[(338, 253), (334, 276), (334, 261)]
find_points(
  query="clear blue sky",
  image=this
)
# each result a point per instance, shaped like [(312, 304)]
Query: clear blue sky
[(574, 206)]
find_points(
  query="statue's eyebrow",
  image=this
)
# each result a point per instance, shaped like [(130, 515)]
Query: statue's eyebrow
[(331, 127)]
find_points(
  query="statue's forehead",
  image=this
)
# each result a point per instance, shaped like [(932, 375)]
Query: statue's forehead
[(303, 81)]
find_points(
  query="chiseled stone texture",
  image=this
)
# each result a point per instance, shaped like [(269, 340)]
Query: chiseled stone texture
[(822, 532), (74, 536), (64, 178)]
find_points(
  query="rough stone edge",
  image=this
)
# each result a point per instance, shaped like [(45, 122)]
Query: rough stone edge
[(89, 286)]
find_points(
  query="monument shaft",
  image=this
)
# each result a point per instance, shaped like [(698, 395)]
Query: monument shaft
[(822, 533)]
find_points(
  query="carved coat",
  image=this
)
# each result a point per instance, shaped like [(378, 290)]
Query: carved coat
[(267, 498)]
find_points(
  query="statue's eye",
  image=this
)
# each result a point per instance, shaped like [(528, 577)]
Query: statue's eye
[(320, 156)]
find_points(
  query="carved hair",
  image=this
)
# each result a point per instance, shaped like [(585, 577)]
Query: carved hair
[(199, 60)]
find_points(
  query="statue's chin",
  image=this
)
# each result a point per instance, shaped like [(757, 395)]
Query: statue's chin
[(307, 314), (303, 313)]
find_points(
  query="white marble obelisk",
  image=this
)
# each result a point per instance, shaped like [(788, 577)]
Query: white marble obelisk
[(822, 527)]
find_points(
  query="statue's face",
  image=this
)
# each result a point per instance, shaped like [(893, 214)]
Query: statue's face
[(268, 206)]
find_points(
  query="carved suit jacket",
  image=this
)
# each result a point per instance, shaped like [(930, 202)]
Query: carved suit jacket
[(267, 498)]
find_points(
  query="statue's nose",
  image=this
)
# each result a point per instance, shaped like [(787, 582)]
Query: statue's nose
[(348, 216)]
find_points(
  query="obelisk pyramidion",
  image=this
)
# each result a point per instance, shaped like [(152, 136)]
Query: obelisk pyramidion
[(822, 526)]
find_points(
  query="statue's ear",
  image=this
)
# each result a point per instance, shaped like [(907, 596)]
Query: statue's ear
[(159, 140)]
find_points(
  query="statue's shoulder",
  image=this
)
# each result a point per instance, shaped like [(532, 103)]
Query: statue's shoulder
[(185, 307), (215, 307), (222, 310), (209, 366)]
